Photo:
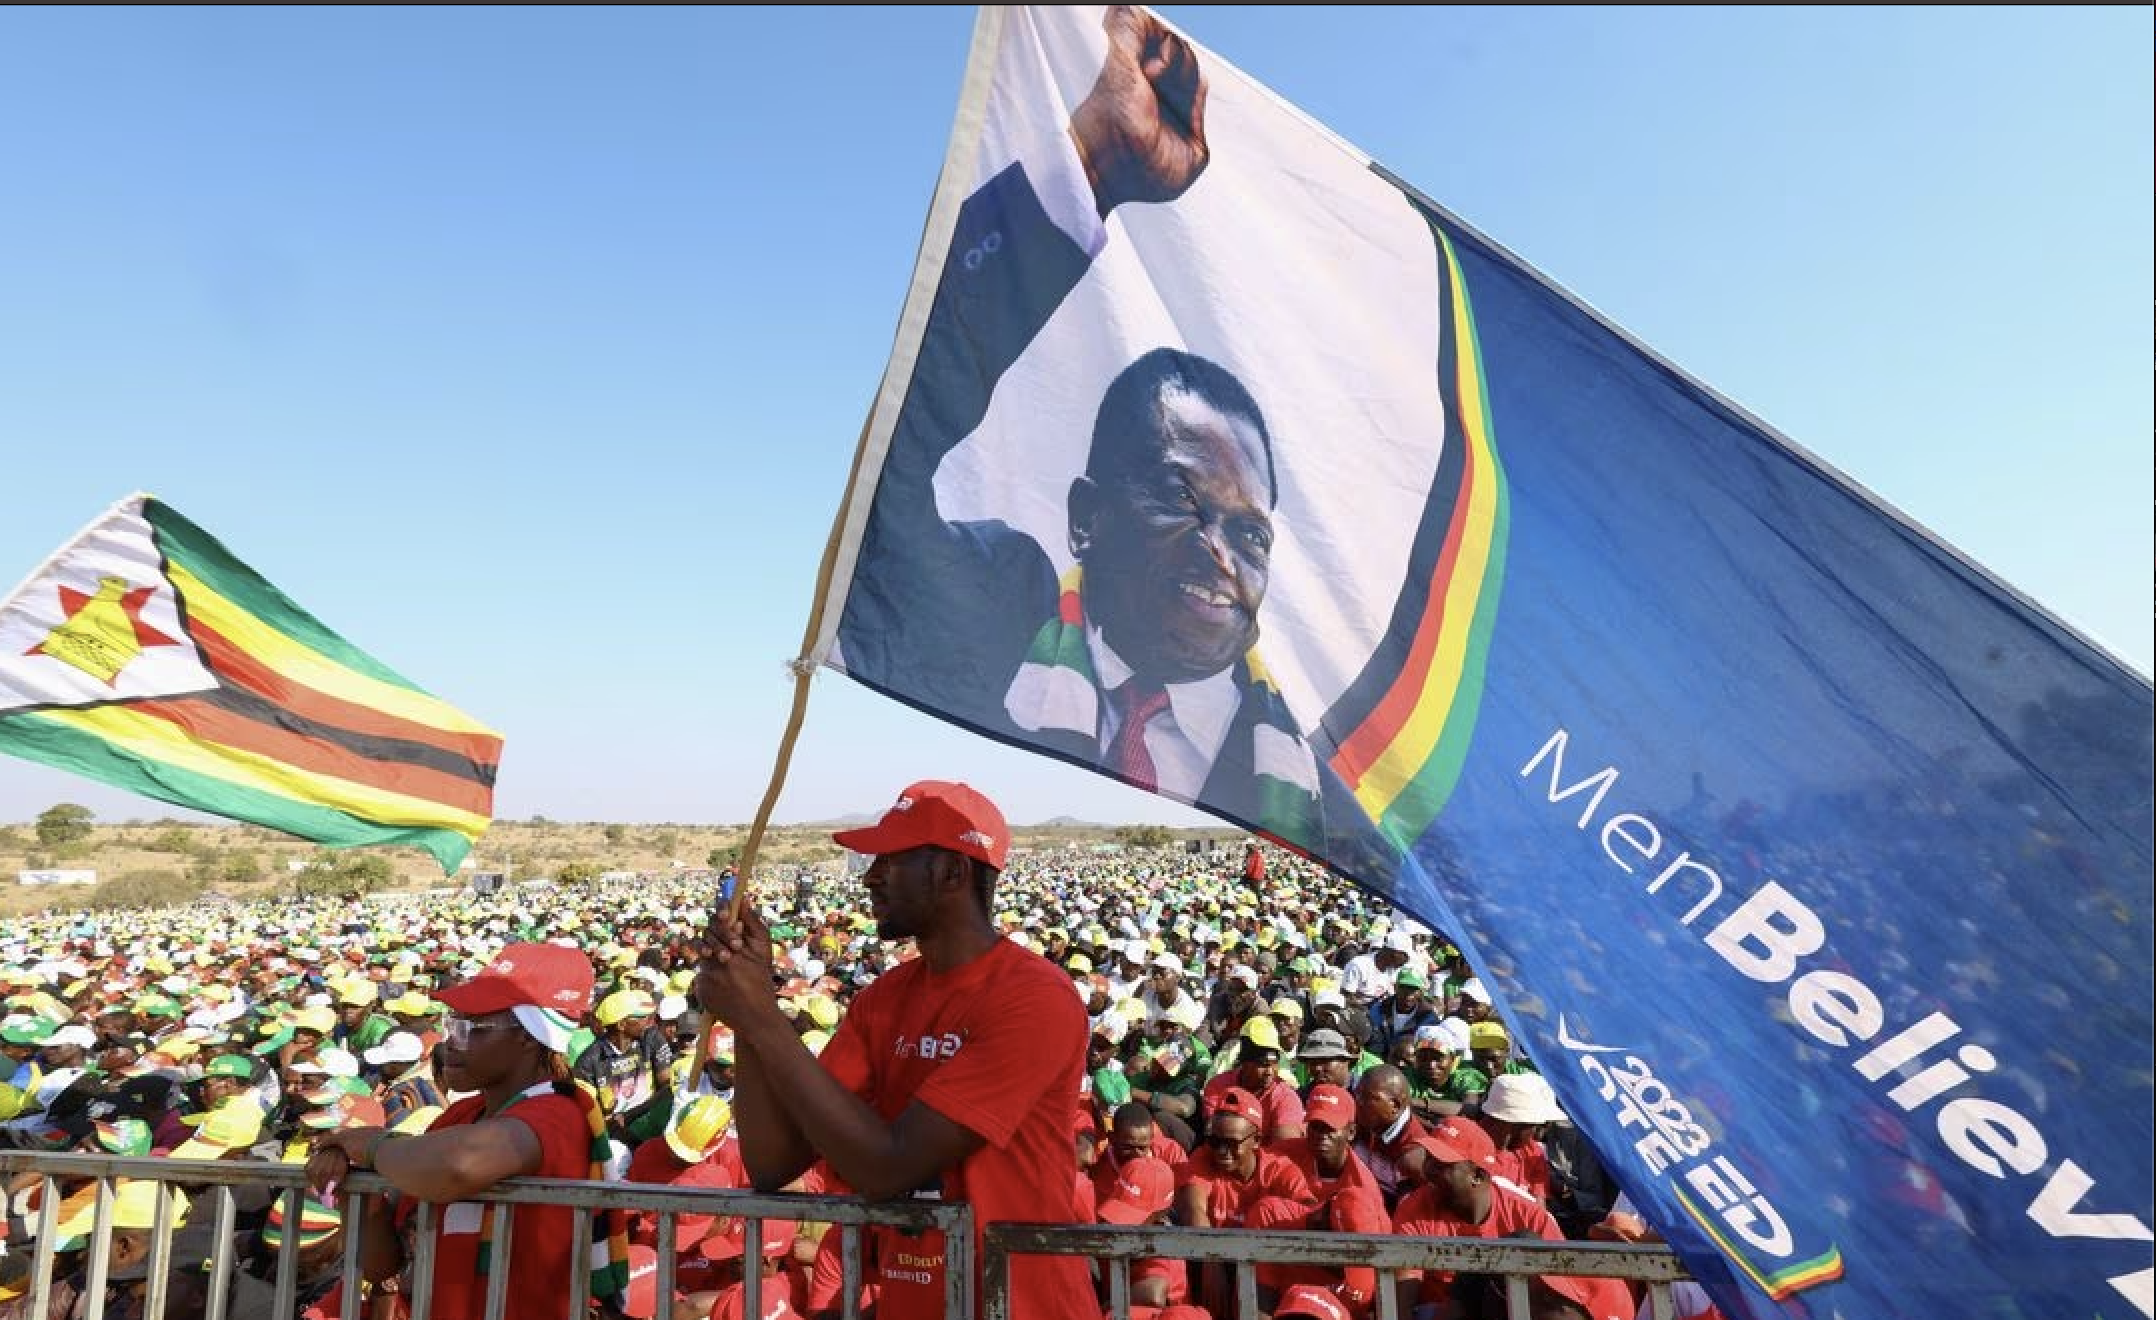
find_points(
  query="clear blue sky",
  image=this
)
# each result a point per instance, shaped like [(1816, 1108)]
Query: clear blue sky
[(528, 348)]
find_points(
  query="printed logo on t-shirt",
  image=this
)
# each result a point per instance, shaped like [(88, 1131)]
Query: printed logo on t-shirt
[(930, 1047)]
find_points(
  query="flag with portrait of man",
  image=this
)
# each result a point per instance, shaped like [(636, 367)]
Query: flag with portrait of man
[(1215, 458)]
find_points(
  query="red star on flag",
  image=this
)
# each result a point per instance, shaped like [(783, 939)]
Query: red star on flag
[(103, 631)]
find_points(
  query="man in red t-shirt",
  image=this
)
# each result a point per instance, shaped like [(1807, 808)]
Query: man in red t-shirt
[(1132, 1136), (954, 1075), (696, 1150), (1234, 1183), (1143, 1194), (1257, 1070), (1464, 1198), (1388, 1135), (1515, 1112), (1347, 1195), (1233, 1178)]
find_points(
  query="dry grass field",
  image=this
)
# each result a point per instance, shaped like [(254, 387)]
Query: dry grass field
[(244, 861)]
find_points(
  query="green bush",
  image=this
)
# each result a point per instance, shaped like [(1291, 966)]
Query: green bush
[(1144, 836), (144, 889)]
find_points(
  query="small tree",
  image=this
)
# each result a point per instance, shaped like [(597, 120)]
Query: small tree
[(330, 872), (1144, 836), (173, 839), (63, 824), (667, 842), (368, 873), (583, 875), (615, 834)]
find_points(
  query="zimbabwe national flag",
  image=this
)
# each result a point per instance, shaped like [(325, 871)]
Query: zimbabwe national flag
[(144, 655)]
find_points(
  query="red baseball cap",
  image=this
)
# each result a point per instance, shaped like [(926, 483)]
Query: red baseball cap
[(727, 1242), (547, 976), (1235, 1100), (1459, 1140), (1309, 1299), (349, 1111), (939, 813), (1330, 1105), (1143, 1188)]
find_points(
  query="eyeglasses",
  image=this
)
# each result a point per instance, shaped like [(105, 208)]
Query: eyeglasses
[(1222, 1141), (457, 1031)]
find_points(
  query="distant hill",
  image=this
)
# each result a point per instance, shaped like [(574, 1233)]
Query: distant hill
[(1068, 823), (839, 822)]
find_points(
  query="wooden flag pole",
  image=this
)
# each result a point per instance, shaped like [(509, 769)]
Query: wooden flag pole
[(936, 234), (804, 671), (746, 866)]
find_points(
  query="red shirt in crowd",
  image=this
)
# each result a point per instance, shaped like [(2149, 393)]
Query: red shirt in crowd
[(545, 1243), (1354, 1173), (1526, 1166), (656, 1162), (1108, 1168), (1283, 1108), (1352, 1205), (827, 1277), (1513, 1213), (1175, 1273), (1382, 1158), (1230, 1201), (996, 1046)]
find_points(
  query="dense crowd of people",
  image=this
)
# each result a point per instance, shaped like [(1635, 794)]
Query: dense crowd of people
[(1268, 1048)]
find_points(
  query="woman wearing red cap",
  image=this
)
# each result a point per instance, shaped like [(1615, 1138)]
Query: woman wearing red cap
[(507, 1042)]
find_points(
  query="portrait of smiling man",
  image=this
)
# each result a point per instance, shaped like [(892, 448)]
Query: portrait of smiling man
[(1141, 657)]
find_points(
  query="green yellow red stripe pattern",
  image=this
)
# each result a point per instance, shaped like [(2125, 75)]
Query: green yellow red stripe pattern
[(1401, 731), (302, 732), (1782, 1283)]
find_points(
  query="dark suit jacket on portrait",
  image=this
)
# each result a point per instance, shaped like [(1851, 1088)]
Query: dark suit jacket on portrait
[(947, 615)]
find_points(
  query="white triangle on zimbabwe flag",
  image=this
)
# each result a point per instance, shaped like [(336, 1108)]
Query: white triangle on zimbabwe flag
[(98, 622)]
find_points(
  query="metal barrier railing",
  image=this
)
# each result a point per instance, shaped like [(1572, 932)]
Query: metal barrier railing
[(849, 1215), (1114, 1247), (1517, 1259)]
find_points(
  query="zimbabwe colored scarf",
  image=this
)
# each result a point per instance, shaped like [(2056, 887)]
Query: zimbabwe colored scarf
[(1056, 691), (609, 1250)]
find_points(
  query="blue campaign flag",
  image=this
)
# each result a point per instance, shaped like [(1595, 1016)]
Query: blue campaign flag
[(1811, 863), (1814, 860)]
